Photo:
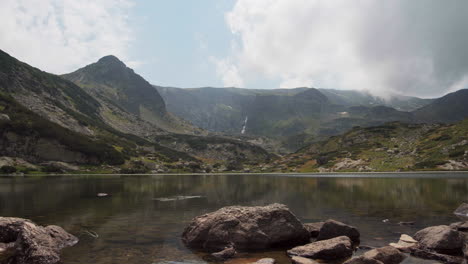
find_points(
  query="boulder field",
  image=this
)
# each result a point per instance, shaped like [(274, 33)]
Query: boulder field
[(256, 228)]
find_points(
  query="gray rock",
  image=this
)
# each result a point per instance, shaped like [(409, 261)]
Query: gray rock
[(362, 260), (225, 254), (405, 244), (442, 239), (386, 255), (32, 244), (265, 261), (301, 260), (246, 228), (334, 248), (332, 228), (462, 211), (314, 228), (425, 254)]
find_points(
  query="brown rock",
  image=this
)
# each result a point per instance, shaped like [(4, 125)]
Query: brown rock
[(332, 228), (313, 228), (334, 248), (33, 244), (247, 228), (462, 211), (386, 255), (442, 239), (362, 260)]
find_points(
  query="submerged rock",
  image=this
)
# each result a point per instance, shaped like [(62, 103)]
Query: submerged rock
[(314, 228), (442, 239), (462, 211), (257, 227), (28, 243), (332, 228), (334, 248), (362, 260), (265, 261), (386, 255)]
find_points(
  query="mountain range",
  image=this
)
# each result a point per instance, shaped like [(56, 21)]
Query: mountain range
[(104, 117)]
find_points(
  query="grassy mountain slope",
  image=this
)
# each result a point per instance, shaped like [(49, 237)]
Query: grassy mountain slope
[(45, 118), (450, 108), (389, 147), (123, 91)]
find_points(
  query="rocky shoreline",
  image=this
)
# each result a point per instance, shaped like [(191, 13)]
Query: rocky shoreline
[(238, 228)]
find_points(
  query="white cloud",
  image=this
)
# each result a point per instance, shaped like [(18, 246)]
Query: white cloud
[(228, 72), (414, 47), (60, 36)]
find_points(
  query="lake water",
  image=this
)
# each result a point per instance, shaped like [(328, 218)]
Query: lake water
[(142, 220)]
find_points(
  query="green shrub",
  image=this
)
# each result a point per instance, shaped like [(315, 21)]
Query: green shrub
[(7, 169)]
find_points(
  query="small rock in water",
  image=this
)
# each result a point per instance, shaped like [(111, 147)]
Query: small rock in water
[(330, 249), (387, 255), (265, 261), (406, 223), (405, 244), (102, 194), (332, 228), (386, 220), (301, 260), (462, 211), (225, 254)]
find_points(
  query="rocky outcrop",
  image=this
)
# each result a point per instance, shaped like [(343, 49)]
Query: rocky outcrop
[(28, 243), (386, 255), (246, 228), (313, 228), (335, 248), (332, 228), (442, 239)]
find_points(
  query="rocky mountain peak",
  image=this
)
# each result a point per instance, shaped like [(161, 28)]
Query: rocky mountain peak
[(111, 60)]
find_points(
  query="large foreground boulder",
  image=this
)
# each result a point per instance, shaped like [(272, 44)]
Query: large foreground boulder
[(28, 243), (246, 228), (330, 249), (332, 228), (442, 239)]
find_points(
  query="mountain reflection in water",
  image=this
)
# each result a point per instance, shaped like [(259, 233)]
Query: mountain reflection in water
[(142, 219)]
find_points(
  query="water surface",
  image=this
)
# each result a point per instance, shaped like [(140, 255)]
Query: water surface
[(142, 220)]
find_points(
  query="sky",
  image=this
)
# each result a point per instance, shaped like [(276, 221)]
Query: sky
[(417, 47)]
